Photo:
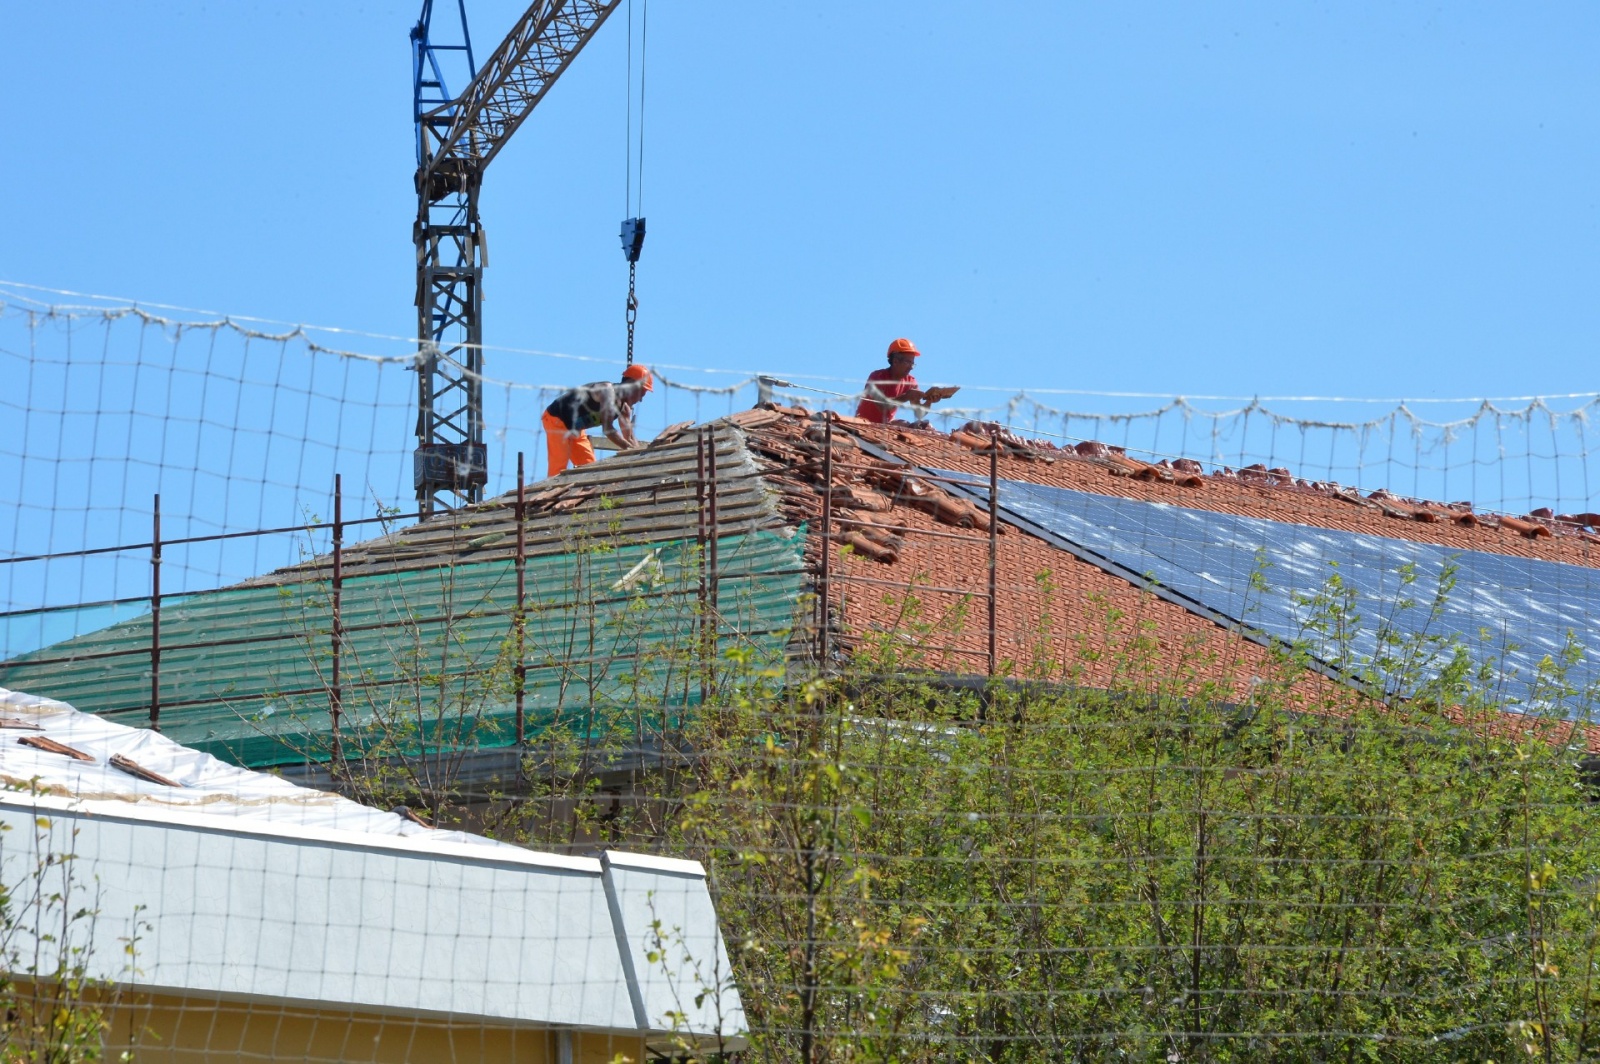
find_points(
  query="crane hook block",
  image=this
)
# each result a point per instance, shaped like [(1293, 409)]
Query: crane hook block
[(632, 238)]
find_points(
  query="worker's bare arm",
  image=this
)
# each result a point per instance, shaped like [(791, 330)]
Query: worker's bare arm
[(927, 397), (620, 431), (909, 397)]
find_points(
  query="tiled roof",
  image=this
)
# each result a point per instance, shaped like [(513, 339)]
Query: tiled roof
[(1274, 495), (1082, 621), (916, 591)]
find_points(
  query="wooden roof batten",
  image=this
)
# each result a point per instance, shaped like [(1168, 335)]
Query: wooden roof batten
[(643, 496)]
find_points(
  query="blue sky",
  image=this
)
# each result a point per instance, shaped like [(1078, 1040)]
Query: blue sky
[(1364, 200)]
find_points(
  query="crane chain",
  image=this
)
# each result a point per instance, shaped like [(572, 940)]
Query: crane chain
[(633, 311)]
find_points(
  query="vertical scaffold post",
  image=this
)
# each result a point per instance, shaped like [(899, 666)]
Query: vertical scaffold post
[(994, 542), (827, 538), (155, 614), (336, 633), (522, 612)]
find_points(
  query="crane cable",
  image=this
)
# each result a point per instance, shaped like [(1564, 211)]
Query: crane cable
[(633, 225)]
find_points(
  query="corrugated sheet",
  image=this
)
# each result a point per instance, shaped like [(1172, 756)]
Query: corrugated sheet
[(429, 653)]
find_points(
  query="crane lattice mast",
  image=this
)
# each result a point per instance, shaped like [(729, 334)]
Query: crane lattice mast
[(456, 139)]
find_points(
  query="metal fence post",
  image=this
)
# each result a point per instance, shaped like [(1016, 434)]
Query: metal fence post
[(704, 559), (827, 535), (713, 598), (522, 616), (994, 542), (336, 689), (155, 615)]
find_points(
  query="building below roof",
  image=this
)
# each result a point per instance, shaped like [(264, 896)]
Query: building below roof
[(259, 916)]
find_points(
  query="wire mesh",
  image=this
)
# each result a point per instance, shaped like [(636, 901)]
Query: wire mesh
[(1176, 760)]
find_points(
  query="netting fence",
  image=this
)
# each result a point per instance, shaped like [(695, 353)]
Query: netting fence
[(242, 425), (988, 744)]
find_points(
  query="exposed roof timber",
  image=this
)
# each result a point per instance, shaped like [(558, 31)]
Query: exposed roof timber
[(652, 490)]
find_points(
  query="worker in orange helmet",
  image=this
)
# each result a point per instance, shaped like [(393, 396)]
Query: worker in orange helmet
[(897, 385), (602, 403)]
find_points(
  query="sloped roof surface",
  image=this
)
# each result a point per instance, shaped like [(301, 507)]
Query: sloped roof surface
[(911, 592), (1511, 611), (613, 603), (1234, 561), (111, 765), (1271, 495)]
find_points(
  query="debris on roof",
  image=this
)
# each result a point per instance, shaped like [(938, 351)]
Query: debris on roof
[(49, 745), (133, 768), (871, 498)]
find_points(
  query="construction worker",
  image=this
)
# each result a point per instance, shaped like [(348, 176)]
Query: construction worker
[(602, 403), (896, 383)]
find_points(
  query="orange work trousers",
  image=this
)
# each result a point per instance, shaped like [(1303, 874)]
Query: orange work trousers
[(565, 445)]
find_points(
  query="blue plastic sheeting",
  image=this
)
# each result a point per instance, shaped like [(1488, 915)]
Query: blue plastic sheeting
[(1509, 611)]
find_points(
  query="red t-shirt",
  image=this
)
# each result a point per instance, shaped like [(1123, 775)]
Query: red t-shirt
[(891, 388)]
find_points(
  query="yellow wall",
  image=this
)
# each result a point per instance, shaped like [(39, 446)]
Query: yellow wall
[(167, 1029)]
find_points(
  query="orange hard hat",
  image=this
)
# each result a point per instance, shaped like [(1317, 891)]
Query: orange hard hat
[(640, 374), (903, 346)]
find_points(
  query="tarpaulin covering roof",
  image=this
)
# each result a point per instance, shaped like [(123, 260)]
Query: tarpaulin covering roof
[(613, 608), (1509, 612), (108, 764)]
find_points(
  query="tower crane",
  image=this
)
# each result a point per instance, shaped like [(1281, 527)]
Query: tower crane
[(457, 137)]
